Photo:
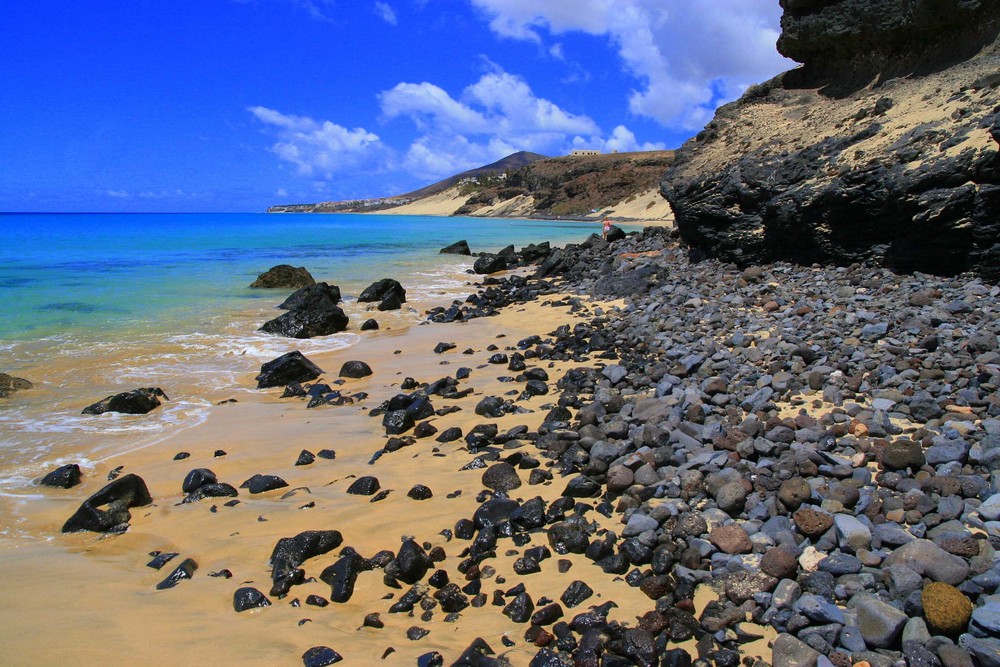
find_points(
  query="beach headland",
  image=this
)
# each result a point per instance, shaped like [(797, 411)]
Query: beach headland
[(771, 463)]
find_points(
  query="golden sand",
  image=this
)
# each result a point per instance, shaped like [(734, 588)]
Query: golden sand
[(89, 599)]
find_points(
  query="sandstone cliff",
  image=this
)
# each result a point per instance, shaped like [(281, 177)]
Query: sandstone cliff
[(882, 148)]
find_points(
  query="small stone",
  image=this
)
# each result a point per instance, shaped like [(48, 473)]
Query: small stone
[(364, 486), (880, 623), (778, 563), (946, 608), (812, 522), (788, 651), (793, 492), (320, 656), (249, 598), (355, 370), (731, 539)]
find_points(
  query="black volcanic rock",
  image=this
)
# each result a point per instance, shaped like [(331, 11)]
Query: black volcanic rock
[(107, 510), (342, 575), (355, 369), (290, 367), (457, 248), (380, 290), (290, 552), (198, 478), (249, 598), (488, 263), (263, 483), (851, 41), (311, 311), (284, 276), (135, 402), (304, 296), (183, 571), (63, 477)]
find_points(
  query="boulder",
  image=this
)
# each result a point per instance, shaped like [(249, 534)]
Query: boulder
[(10, 384), (355, 370), (302, 297), (457, 248), (263, 483), (283, 276), (311, 311), (288, 368), (63, 477), (198, 478), (381, 289), (390, 302), (135, 402), (488, 263), (108, 509), (290, 552)]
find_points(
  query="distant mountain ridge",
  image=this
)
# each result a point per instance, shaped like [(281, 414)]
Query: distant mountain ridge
[(512, 161), (528, 184)]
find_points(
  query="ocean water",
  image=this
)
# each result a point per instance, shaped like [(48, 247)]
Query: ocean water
[(94, 304)]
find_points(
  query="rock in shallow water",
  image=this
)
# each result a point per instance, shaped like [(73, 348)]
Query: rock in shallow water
[(135, 402), (283, 276), (64, 477)]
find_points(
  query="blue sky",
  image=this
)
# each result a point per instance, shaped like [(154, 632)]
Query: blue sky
[(235, 105)]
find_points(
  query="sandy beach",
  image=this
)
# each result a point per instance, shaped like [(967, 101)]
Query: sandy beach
[(90, 599), (648, 208)]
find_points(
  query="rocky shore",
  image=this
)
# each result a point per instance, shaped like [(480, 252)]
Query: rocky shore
[(816, 444), (701, 464)]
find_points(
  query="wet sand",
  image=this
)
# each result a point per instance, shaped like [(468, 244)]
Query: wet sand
[(90, 599)]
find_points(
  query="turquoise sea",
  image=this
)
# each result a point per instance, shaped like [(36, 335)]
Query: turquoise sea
[(96, 274), (94, 304)]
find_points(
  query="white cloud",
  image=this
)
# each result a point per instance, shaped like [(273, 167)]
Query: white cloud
[(118, 194), (319, 148), (687, 57), (496, 116), (386, 13)]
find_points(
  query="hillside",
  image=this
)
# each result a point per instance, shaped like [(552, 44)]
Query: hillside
[(619, 185), (881, 149)]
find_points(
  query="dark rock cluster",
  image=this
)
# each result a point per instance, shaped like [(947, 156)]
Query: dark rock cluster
[(310, 311), (817, 444), (388, 292), (284, 276)]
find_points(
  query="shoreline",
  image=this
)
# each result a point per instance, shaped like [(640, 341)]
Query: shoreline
[(754, 431)]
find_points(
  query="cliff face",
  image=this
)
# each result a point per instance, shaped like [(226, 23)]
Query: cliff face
[(881, 148)]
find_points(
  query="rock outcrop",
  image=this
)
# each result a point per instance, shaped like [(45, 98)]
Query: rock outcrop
[(311, 311), (284, 276), (136, 402), (882, 148), (10, 384)]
